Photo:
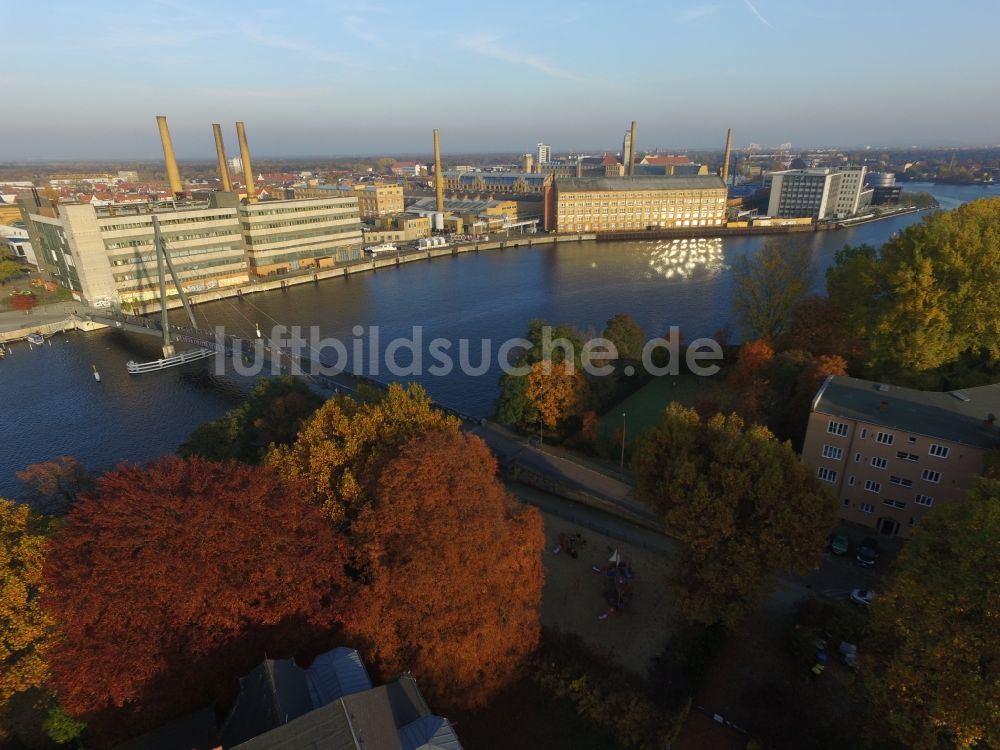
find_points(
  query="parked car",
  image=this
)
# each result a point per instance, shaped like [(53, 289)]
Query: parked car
[(867, 553), (862, 597), (840, 544)]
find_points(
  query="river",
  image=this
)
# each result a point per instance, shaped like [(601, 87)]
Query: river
[(50, 404)]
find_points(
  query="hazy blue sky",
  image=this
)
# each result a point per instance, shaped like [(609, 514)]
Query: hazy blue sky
[(86, 79)]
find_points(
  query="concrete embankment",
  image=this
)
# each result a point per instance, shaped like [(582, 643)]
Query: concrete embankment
[(47, 329)]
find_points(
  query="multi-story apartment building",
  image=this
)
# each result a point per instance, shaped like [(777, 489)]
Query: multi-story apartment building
[(375, 199), (291, 235), (609, 204), (544, 153), (891, 454), (817, 193), (107, 252)]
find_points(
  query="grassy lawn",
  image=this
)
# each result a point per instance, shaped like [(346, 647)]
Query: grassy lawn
[(643, 408), (525, 712)]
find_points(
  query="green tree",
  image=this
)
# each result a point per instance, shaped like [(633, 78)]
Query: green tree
[(929, 295), (9, 269), (626, 335), (934, 654), (741, 505), (767, 286), (271, 415)]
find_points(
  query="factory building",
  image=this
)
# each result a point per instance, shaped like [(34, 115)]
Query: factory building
[(375, 199), (496, 182), (107, 253), (293, 235), (615, 204)]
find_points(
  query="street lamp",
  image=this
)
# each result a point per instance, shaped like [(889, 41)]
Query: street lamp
[(621, 467)]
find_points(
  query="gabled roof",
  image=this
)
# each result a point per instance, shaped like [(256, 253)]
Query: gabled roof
[(429, 733), (665, 161), (326, 728)]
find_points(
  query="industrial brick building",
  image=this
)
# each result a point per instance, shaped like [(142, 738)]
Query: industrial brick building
[(890, 454), (610, 204)]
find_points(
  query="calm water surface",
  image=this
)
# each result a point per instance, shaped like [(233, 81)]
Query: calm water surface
[(50, 404)]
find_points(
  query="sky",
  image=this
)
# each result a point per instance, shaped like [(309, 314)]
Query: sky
[(86, 80)]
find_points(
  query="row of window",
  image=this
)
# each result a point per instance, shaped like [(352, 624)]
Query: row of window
[(841, 429), (928, 475), (922, 500)]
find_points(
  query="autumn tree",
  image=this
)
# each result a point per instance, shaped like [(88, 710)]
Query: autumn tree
[(51, 487), (173, 579), (340, 449), (627, 336), (741, 505), (930, 294), (24, 626), (768, 283), (23, 301), (934, 656), (452, 570), (271, 415), (557, 392), (513, 405), (748, 380), (818, 326)]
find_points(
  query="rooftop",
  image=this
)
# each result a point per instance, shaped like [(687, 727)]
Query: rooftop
[(957, 416), (687, 182)]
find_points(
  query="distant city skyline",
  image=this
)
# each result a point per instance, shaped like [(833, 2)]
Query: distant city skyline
[(367, 78)]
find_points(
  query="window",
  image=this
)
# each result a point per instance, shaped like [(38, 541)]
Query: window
[(837, 428), (912, 439), (931, 476), (850, 481), (884, 437), (894, 503), (924, 500), (864, 433), (830, 451), (827, 475), (879, 463), (872, 486), (938, 451), (899, 481), (857, 458), (866, 508), (847, 501), (904, 456)]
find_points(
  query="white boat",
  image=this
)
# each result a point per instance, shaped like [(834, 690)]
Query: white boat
[(137, 368), (386, 247), (35, 338)]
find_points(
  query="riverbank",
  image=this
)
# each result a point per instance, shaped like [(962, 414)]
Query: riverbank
[(56, 318)]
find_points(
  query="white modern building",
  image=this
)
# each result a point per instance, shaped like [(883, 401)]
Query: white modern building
[(823, 193), (544, 153)]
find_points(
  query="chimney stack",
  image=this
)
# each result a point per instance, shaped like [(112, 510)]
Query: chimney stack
[(438, 177), (173, 173), (631, 153), (726, 156), (883, 406), (990, 420), (241, 135), (220, 152)]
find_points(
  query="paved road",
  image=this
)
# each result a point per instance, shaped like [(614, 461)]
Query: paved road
[(12, 320)]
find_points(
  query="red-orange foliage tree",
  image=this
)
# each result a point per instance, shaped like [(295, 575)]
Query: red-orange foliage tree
[(23, 301), (751, 395), (171, 580), (453, 571)]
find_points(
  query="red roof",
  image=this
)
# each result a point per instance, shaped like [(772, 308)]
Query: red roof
[(609, 161)]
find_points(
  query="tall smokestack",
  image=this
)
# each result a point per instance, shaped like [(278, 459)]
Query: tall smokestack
[(726, 156), (438, 177), (241, 135), (173, 173), (631, 153), (220, 152)]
